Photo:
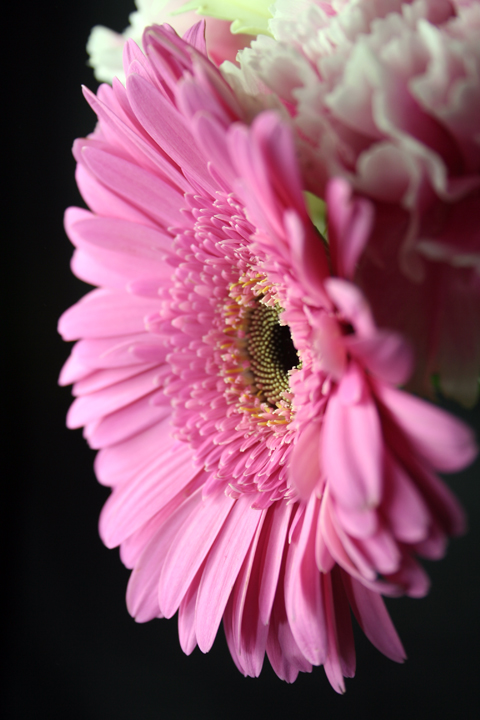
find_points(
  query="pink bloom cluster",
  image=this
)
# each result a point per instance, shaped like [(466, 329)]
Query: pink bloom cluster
[(265, 468), (386, 93)]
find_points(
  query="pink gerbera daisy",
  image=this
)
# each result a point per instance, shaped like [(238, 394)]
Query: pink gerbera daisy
[(264, 467)]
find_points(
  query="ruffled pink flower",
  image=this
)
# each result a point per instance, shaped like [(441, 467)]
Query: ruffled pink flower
[(386, 93), (242, 400)]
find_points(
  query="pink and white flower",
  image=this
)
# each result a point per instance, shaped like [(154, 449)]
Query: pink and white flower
[(386, 93), (105, 47), (264, 467)]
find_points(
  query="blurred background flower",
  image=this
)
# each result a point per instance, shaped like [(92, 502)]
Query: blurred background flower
[(105, 46)]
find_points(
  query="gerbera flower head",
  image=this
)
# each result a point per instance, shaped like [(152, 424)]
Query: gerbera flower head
[(387, 94), (264, 467)]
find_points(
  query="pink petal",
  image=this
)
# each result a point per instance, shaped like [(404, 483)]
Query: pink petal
[(279, 520), (194, 543), (282, 650), (323, 557), (133, 503), (372, 616), (341, 651), (120, 462), (412, 578), (248, 634), (343, 624), (445, 442), (347, 554), (222, 567), (329, 346), (303, 595), (195, 36), (350, 225), (73, 370), (353, 305), (381, 551), (119, 236), (352, 448), (102, 379), (119, 351), (186, 615), (407, 514), (307, 255), (104, 202), (125, 423), (104, 313), (442, 502), (142, 591), (93, 268), (132, 137), (358, 523), (304, 471), (144, 190), (132, 547), (172, 134), (106, 400), (214, 141), (387, 355)]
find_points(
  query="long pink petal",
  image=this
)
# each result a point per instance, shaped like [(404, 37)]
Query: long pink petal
[(350, 225), (248, 632), (118, 463), (441, 439), (144, 190), (412, 578), (387, 355), (404, 507), (222, 567), (105, 378), (186, 615), (372, 616), (133, 503), (352, 448), (333, 668), (125, 423), (142, 591), (197, 537), (106, 203), (105, 313), (305, 471), (172, 134), (279, 520), (133, 138), (118, 236), (111, 398), (118, 351), (283, 652), (343, 624), (303, 595)]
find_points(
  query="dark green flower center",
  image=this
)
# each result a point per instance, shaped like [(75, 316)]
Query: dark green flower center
[(271, 352)]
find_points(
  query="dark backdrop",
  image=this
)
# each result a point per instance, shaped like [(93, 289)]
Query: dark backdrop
[(73, 650)]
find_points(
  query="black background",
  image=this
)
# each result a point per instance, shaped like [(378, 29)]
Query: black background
[(73, 651)]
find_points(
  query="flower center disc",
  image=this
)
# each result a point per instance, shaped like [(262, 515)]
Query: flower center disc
[(271, 352)]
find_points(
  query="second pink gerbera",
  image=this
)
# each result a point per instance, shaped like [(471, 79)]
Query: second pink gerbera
[(264, 467)]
